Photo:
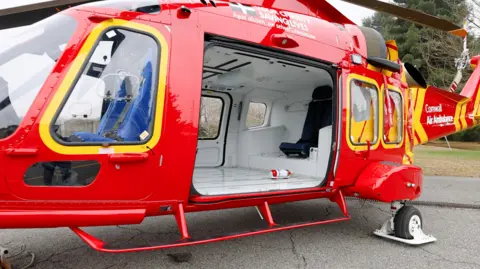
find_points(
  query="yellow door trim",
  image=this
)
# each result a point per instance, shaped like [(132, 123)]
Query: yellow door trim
[(398, 144), (76, 67), (350, 143)]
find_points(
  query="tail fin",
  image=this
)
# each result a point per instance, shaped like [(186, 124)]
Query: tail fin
[(438, 113)]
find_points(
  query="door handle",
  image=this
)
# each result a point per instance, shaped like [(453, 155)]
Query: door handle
[(364, 153), (22, 152), (127, 157)]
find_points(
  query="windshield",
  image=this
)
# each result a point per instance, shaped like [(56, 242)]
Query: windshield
[(26, 60)]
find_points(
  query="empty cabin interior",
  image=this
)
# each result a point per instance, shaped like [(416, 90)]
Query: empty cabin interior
[(262, 111)]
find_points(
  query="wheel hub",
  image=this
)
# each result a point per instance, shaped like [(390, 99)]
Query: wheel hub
[(415, 225)]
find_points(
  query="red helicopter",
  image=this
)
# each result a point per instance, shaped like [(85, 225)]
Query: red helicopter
[(114, 111)]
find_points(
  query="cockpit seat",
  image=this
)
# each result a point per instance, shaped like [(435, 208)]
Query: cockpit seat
[(136, 121), (138, 118), (114, 110), (319, 115), (111, 116)]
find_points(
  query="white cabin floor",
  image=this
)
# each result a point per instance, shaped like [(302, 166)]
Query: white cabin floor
[(220, 181)]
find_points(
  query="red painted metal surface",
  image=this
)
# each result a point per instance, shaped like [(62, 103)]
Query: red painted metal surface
[(267, 214), (99, 245), (65, 218), (388, 182), (140, 187)]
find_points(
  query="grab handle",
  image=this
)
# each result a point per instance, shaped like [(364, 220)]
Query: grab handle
[(128, 157), (22, 152)]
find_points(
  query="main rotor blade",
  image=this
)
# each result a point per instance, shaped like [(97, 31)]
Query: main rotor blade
[(412, 15)]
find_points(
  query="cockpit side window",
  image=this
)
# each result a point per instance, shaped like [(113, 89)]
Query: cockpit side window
[(26, 61), (113, 99)]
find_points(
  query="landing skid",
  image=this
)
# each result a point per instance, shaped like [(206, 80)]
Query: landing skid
[(412, 223), (187, 240)]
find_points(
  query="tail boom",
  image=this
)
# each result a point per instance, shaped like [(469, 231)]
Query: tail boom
[(438, 113)]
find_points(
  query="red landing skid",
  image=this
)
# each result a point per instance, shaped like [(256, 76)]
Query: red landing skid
[(186, 240)]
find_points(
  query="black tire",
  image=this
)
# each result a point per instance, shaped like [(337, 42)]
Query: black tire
[(402, 220), (376, 46)]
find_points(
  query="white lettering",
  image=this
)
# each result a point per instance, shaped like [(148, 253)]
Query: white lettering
[(293, 23), (439, 119), (432, 109)]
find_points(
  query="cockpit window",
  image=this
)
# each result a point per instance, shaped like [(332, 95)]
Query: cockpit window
[(26, 60), (145, 6), (113, 99)]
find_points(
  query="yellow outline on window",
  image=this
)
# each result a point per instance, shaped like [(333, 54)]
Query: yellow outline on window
[(380, 116), (400, 143), (76, 67)]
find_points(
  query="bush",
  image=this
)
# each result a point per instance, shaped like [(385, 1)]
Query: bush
[(469, 135)]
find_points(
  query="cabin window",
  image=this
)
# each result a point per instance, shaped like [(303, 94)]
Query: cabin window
[(364, 113), (256, 115), (113, 99), (395, 134), (211, 111)]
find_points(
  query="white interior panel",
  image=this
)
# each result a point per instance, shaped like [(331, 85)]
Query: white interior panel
[(286, 88), (224, 181)]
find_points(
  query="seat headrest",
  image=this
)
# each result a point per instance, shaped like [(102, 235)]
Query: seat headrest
[(322, 93)]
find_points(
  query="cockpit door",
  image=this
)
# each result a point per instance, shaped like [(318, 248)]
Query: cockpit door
[(97, 134)]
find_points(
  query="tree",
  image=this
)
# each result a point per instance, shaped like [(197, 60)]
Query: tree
[(433, 52)]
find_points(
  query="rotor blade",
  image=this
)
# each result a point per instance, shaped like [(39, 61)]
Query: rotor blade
[(29, 14), (412, 15)]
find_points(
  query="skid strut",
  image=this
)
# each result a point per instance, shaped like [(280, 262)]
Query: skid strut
[(187, 240)]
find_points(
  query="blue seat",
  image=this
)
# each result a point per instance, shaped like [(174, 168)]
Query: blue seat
[(319, 115), (111, 116), (138, 114), (114, 110), (138, 118)]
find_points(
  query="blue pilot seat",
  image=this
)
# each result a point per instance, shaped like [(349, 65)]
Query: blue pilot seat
[(111, 116), (136, 119), (319, 115)]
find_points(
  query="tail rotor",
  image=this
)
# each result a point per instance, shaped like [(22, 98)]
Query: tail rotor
[(461, 63)]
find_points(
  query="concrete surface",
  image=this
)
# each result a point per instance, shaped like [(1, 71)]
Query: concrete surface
[(349, 244), (451, 190)]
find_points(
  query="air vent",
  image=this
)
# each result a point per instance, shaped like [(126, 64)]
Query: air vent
[(153, 9)]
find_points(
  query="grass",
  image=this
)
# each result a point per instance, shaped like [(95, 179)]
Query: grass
[(441, 161), (455, 145)]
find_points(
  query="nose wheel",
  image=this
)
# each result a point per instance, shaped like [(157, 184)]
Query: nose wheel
[(405, 225)]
